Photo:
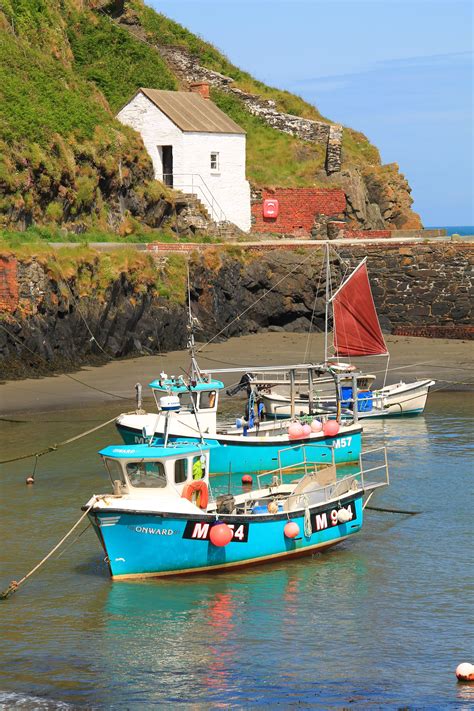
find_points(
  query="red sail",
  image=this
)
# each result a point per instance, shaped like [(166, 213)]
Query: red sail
[(356, 325)]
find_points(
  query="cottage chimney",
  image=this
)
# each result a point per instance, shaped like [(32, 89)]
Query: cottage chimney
[(200, 87)]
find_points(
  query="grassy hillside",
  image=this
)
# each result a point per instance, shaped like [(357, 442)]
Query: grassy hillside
[(66, 68)]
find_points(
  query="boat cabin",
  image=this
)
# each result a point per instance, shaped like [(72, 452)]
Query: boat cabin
[(144, 470), (200, 396)]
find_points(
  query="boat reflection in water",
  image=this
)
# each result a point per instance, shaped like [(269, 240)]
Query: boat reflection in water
[(221, 640)]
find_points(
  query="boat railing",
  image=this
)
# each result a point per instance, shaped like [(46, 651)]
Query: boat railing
[(379, 476), (377, 470), (306, 464), (322, 493)]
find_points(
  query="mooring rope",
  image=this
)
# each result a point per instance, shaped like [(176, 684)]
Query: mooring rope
[(54, 447), (66, 375), (397, 511), (14, 585)]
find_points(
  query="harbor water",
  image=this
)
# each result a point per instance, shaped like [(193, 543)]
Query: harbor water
[(381, 620)]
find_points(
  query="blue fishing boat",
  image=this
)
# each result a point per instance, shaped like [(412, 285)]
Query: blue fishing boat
[(162, 519), (187, 410)]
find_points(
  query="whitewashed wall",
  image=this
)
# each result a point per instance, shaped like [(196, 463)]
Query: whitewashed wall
[(156, 130), (225, 193), (228, 185)]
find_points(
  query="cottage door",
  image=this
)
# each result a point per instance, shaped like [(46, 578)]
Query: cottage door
[(167, 153)]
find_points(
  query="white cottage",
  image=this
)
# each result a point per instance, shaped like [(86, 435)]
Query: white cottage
[(195, 147)]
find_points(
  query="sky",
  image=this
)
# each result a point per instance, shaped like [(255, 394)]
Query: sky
[(400, 71)]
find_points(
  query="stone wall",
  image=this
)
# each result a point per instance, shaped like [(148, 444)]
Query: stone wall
[(421, 286), (191, 72)]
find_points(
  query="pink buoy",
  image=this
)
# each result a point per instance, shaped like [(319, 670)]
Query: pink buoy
[(306, 430), (295, 430), (331, 428), (465, 672), (291, 529), (316, 426), (220, 534)]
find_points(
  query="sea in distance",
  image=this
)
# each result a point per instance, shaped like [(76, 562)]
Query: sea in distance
[(380, 621), (461, 230)]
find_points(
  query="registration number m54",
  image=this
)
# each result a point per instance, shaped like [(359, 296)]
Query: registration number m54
[(200, 530)]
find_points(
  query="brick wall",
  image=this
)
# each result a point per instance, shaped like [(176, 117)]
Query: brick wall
[(297, 209), (8, 284)]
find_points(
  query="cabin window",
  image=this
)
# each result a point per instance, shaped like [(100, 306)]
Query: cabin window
[(114, 469), (187, 399), (144, 475), (208, 399), (215, 162), (180, 471)]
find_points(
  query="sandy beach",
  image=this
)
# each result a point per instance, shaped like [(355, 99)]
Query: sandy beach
[(449, 362)]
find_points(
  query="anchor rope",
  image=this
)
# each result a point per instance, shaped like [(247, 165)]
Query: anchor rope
[(54, 447), (14, 585)]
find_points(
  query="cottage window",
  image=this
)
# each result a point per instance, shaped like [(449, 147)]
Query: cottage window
[(215, 162)]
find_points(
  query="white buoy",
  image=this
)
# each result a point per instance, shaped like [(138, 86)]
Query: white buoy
[(344, 515), (465, 672)]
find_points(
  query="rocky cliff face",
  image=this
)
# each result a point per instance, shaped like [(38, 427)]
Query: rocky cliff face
[(86, 314)]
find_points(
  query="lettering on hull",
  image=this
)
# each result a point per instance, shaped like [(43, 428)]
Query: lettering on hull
[(199, 531)]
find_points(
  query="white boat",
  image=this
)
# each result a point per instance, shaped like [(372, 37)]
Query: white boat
[(389, 401), (356, 333)]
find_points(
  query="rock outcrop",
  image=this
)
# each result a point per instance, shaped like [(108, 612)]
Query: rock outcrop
[(54, 322)]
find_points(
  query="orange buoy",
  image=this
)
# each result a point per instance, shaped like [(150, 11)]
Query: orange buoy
[(291, 529), (331, 428), (220, 534)]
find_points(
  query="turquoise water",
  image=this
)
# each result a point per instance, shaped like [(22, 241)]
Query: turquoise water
[(381, 620)]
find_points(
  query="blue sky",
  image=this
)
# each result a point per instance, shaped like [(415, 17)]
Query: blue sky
[(400, 71)]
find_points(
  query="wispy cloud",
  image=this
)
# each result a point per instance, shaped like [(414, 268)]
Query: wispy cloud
[(329, 82)]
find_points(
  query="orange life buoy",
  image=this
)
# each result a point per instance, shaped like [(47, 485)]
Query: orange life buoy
[(199, 488)]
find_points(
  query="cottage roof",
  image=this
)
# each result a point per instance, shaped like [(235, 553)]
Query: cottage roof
[(191, 113)]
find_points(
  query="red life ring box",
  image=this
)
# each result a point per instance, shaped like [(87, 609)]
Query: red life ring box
[(270, 208)]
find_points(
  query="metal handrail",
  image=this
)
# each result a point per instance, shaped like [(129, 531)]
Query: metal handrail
[(217, 213), (296, 465)]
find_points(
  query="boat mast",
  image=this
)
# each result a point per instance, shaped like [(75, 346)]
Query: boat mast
[(195, 371), (326, 313)]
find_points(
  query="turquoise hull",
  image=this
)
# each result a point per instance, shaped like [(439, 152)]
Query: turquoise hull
[(243, 456), (140, 544)]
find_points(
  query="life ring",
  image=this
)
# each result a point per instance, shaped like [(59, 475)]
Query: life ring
[(198, 487)]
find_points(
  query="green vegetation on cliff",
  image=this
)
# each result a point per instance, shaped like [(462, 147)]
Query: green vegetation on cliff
[(67, 66)]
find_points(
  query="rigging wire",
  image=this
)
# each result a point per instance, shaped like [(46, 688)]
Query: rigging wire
[(242, 313)]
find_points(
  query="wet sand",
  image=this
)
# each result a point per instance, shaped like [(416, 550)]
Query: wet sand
[(449, 362)]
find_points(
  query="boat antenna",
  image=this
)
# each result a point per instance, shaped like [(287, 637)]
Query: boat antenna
[(195, 371)]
